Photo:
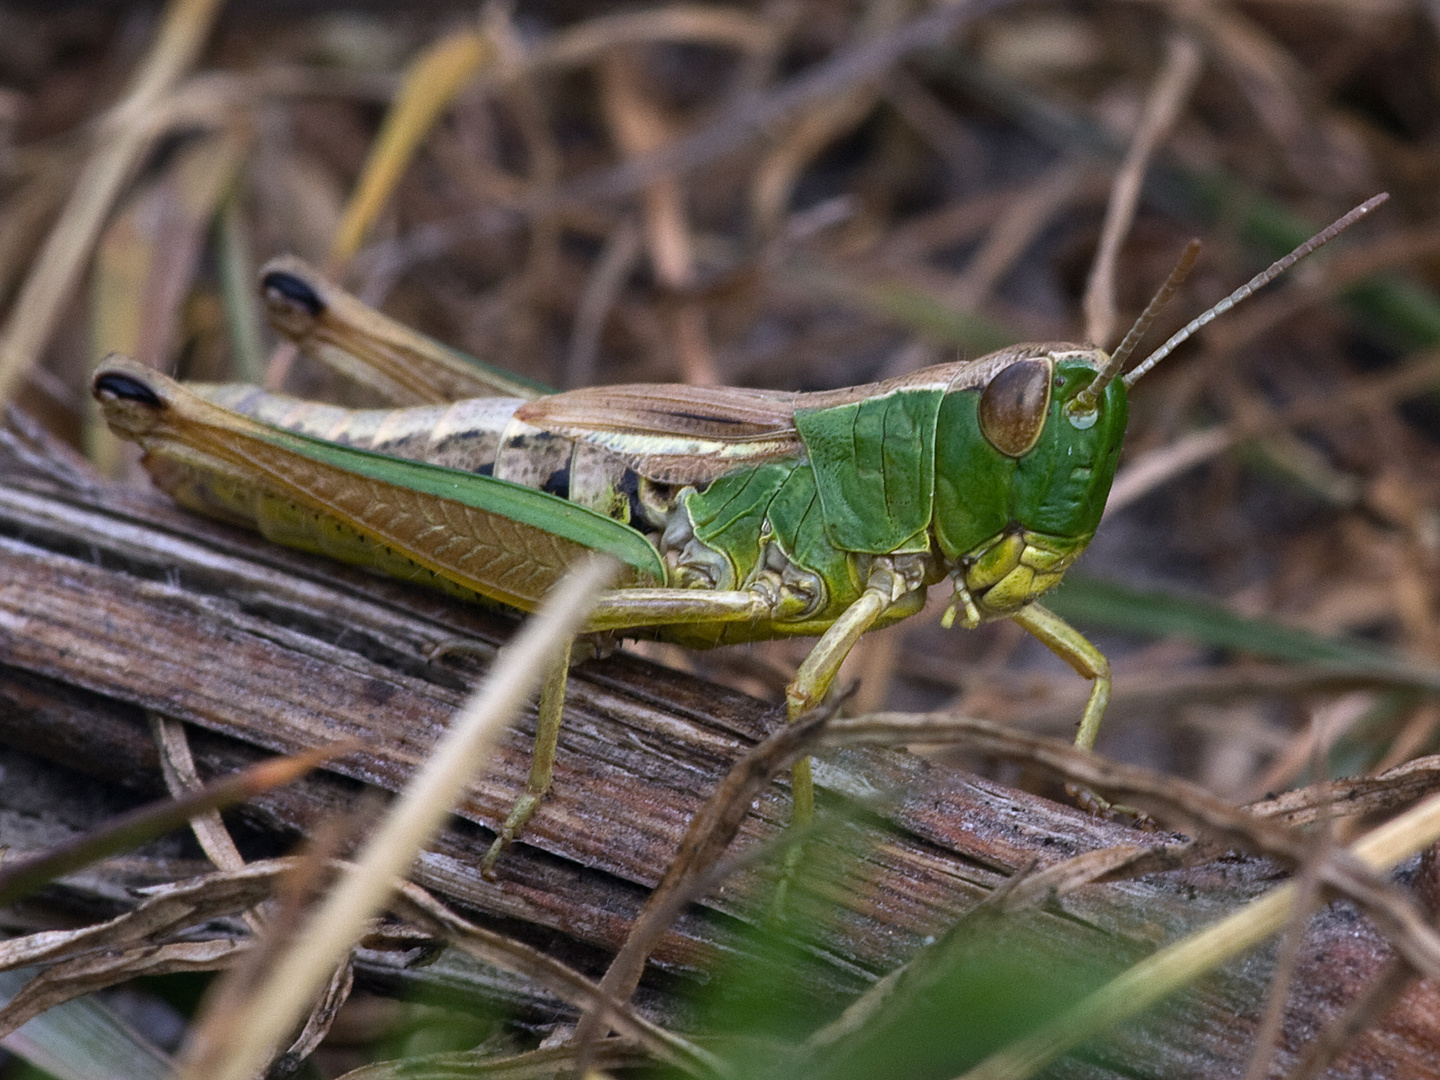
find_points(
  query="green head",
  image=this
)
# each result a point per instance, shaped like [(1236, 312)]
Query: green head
[(1024, 451)]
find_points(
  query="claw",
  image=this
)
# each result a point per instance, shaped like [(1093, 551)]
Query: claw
[(519, 814), (1100, 806)]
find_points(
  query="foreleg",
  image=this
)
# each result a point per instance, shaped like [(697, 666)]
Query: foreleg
[(1076, 650)]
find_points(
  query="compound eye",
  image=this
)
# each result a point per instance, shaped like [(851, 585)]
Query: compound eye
[(1014, 405)]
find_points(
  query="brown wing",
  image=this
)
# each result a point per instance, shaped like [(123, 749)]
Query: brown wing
[(675, 434)]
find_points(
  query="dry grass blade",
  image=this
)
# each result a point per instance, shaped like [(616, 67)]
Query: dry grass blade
[(145, 264), (94, 971), (420, 907), (1365, 395), (1025, 216), (23, 876), (772, 187), (617, 260), (289, 990), (182, 778), (1178, 74), (129, 130), (1401, 786), (740, 125), (1140, 477), (641, 128), (861, 62), (430, 84), (165, 911), (695, 23)]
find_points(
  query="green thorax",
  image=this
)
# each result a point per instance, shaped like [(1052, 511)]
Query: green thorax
[(874, 463), (747, 513)]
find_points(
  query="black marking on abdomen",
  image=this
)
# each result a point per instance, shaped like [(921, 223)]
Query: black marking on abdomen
[(558, 482), (629, 486)]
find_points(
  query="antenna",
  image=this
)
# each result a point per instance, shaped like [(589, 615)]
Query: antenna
[(1085, 400), (1261, 279)]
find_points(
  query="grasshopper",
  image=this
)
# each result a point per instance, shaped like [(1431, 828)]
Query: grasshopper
[(736, 515)]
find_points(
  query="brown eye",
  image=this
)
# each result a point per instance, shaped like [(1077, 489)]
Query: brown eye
[(1013, 406)]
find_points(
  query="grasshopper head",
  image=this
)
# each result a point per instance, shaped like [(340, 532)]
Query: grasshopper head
[(1023, 465), (1015, 454)]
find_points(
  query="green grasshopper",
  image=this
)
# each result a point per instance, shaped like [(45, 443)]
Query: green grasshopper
[(736, 515)]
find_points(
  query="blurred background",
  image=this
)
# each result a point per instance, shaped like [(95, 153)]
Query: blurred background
[(806, 195)]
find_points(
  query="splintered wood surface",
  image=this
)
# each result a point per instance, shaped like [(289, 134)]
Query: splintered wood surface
[(114, 602)]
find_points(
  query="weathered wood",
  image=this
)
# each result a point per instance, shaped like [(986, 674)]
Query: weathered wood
[(113, 602)]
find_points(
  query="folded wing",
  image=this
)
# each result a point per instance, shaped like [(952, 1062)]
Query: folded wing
[(675, 434)]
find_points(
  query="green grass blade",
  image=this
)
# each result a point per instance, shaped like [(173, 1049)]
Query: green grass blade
[(1154, 613)]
